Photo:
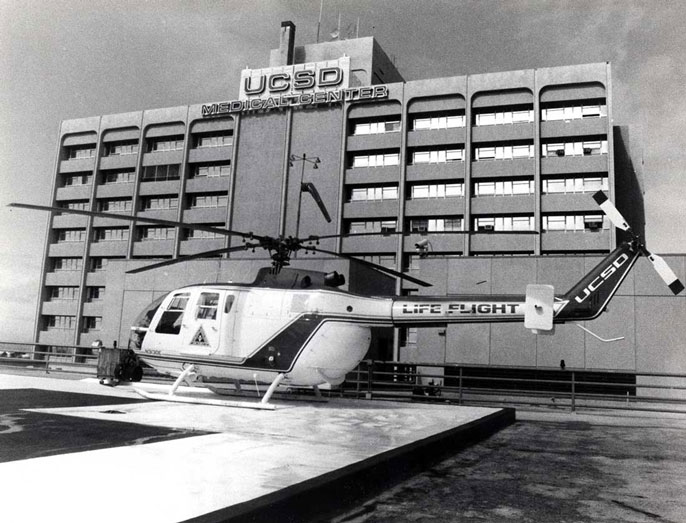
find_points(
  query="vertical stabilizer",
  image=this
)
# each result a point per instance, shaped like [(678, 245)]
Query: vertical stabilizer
[(588, 298)]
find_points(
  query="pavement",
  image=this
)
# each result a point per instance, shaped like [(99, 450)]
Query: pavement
[(551, 467), (74, 450)]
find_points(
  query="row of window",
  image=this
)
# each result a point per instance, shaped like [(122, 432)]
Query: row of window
[(90, 323), (587, 148), (490, 188), (153, 173), (72, 293), (577, 222), (448, 121)]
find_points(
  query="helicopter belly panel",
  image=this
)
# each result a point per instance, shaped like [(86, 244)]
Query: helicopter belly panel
[(332, 352)]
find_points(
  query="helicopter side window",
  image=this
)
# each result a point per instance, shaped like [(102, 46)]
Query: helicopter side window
[(207, 306), (170, 322)]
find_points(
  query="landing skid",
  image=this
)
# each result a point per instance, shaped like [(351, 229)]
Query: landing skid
[(177, 398), (189, 374), (286, 396)]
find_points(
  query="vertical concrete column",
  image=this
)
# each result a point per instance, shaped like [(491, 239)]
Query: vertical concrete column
[(341, 174), (232, 180), (136, 187), (468, 168), (89, 235), (538, 187), (610, 148), (183, 175), (46, 242)]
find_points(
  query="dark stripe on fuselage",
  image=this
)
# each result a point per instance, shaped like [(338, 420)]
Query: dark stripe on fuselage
[(278, 354)]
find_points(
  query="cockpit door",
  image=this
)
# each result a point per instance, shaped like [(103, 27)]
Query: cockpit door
[(202, 325)]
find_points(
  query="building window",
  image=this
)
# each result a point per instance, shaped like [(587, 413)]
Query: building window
[(60, 322), (385, 260), (76, 205), (575, 185), (358, 227), (437, 156), (113, 234), (64, 293), (213, 140), (439, 190), (71, 235), (118, 177), (97, 264), (78, 152), (121, 148), (376, 160), (208, 171), (504, 152), (123, 205), (159, 203), (208, 201), (194, 234), (504, 188), (67, 264), (427, 123), (504, 223), (169, 143), (586, 148), (576, 112), (504, 117), (157, 233), (435, 224), (388, 126), (92, 323), (95, 293), (408, 336), (580, 222), (77, 179), (370, 194), (161, 173)]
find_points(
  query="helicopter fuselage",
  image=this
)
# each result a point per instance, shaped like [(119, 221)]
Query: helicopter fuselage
[(312, 336)]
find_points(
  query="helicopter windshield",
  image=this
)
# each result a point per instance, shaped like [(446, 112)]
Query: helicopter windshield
[(142, 322)]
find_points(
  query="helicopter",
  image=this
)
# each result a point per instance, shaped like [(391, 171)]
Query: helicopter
[(295, 328)]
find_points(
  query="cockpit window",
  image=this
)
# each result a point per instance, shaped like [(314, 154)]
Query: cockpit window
[(142, 322), (170, 322), (207, 306)]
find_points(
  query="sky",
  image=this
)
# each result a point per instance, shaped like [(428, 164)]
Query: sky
[(77, 58)]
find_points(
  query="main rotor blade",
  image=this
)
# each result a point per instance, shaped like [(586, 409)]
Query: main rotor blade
[(611, 211), (408, 233), (310, 188), (371, 265), (124, 217), (665, 272), (182, 259)]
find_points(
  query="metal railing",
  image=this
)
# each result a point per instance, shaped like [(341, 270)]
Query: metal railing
[(569, 389)]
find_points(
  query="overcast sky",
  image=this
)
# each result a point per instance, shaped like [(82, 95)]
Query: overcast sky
[(71, 59)]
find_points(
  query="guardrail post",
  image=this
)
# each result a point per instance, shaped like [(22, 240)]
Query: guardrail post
[(47, 362), (370, 379), (573, 392), (459, 388)]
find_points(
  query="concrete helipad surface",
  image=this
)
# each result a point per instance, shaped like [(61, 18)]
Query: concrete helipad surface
[(77, 451)]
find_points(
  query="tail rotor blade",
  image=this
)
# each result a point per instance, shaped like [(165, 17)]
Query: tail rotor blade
[(611, 211), (665, 273)]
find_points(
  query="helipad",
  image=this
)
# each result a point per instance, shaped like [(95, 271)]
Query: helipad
[(77, 451)]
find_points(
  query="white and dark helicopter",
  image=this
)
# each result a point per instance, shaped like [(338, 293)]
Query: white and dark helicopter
[(295, 328)]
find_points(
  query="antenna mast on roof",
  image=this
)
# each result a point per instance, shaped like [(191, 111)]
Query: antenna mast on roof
[(319, 24)]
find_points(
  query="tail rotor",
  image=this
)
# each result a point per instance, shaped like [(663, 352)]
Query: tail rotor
[(659, 264)]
